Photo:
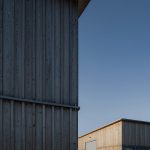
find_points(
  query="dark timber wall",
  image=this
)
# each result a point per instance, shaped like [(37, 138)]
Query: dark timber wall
[(38, 74), (136, 135)]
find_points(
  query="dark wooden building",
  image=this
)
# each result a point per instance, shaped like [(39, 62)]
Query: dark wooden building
[(124, 134), (39, 74)]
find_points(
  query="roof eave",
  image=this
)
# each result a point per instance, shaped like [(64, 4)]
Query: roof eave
[(82, 5)]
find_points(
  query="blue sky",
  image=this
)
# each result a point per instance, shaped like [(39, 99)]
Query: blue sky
[(114, 62)]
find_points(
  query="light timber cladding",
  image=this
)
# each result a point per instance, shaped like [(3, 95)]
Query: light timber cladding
[(123, 134), (38, 74), (107, 138)]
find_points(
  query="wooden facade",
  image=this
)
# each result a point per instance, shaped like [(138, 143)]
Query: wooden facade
[(107, 138), (136, 135), (123, 134), (39, 74)]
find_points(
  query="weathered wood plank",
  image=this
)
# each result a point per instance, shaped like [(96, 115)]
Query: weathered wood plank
[(66, 51), (57, 129), (57, 50), (29, 127), (74, 54), (39, 49), (7, 125), (23, 51), (12, 126), (39, 128), (75, 130), (44, 50), (53, 49), (1, 123), (18, 49), (8, 47), (1, 47), (28, 54), (44, 128), (23, 126), (62, 128), (48, 53), (53, 128), (34, 51), (66, 130), (48, 124), (17, 126), (62, 51), (34, 126), (70, 130)]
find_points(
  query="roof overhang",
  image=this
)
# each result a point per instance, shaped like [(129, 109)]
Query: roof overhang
[(82, 4)]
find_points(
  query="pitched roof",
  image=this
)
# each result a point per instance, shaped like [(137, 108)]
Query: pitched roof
[(82, 5), (120, 120)]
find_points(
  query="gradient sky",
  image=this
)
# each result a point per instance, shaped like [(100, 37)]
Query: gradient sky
[(114, 62)]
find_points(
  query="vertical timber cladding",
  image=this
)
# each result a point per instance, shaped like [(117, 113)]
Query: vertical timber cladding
[(38, 74), (108, 137), (38, 50)]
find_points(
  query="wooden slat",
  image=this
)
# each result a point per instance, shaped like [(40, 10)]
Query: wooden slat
[(71, 86), (66, 129), (23, 126), (17, 126), (57, 129), (48, 53), (62, 51), (29, 127), (53, 129), (44, 128), (8, 47), (71, 130), (12, 126), (23, 50), (74, 130), (39, 128), (57, 50), (62, 128), (1, 123), (1, 47), (44, 49), (74, 55), (39, 49), (48, 124), (7, 126), (66, 50), (53, 48), (18, 51), (34, 50), (28, 54), (34, 126)]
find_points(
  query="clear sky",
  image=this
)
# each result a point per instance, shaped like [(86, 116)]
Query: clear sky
[(114, 62)]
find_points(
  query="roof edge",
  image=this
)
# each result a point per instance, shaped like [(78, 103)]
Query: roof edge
[(82, 4), (119, 120)]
